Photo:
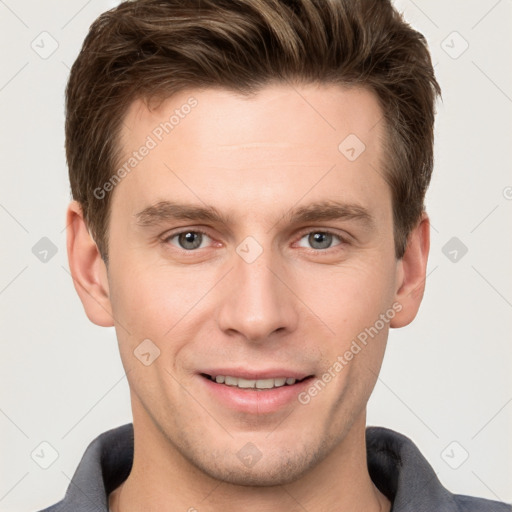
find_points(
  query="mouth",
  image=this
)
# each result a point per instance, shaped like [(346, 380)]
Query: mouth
[(254, 392), (255, 384)]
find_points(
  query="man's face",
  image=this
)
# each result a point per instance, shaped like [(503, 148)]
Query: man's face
[(259, 293)]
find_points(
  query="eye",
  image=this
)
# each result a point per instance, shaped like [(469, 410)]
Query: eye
[(188, 240), (321, 239)]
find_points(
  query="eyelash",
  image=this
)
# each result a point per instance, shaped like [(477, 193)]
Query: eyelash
[(343, 241)]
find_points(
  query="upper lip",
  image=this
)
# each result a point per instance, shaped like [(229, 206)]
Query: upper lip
[(244, 373)]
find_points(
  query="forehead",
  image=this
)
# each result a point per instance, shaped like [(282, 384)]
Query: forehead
[(274, 144), (328, 108)]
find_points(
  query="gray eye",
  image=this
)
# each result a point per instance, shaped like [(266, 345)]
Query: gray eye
[(323, 240), (189, 240), (319, 239)]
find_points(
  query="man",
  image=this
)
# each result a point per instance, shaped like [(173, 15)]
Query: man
[(248, 181)]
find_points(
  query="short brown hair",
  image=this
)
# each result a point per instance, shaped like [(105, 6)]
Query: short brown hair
[(151, 49)]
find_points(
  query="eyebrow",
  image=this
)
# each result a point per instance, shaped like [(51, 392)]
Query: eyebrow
[(165, 211)]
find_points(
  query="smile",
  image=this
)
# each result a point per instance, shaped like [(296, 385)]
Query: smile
[(257, 384)]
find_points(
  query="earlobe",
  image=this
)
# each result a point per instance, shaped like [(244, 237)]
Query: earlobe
[(87, 268), (411, 273)]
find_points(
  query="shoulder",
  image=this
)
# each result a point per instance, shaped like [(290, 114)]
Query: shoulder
[(104, 466), (471, 504), (401, 472)]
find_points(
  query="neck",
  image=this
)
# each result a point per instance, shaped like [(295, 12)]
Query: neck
[(161, 479)]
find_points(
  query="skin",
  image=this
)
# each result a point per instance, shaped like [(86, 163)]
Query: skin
[(299, 305)]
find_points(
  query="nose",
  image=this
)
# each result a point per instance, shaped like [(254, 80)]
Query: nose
[(259, 303)]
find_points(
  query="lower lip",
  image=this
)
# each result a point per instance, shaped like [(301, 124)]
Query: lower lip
[(254, 401)]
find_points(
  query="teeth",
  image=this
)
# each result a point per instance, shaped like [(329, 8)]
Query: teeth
[(244, 383), (265, 383), (230, 381), (253, 383)]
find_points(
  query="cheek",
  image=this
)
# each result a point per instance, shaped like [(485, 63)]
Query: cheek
[(151, 306), (352, 296), (150, 299)]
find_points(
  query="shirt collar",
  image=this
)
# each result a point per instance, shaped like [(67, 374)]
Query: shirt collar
[(401, 472), (395, 465)]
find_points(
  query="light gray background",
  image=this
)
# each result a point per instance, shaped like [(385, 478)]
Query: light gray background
[(446, 380)]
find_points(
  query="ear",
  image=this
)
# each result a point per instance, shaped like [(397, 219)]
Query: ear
[(411, 273), (88, 270)]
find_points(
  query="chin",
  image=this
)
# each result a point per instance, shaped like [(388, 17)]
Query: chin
[(264, 476), (263, 470)]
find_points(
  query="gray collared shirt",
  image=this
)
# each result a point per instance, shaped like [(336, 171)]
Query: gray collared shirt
[(395, 464)]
